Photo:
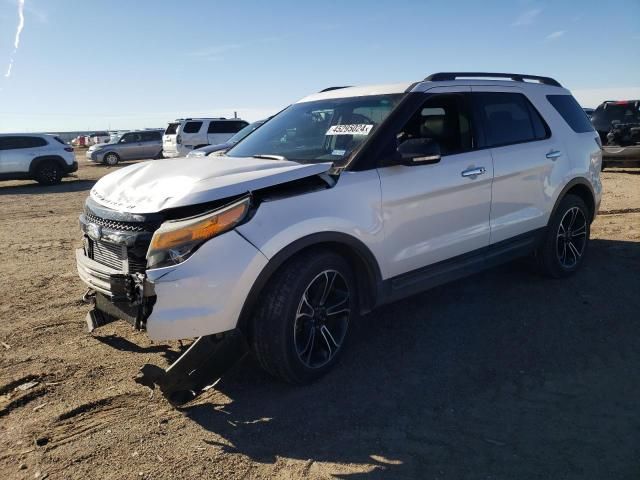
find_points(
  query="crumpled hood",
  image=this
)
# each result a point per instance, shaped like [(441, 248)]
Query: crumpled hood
[(157, 185)]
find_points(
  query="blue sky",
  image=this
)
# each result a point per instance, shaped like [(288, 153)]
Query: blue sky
[(124, 64)]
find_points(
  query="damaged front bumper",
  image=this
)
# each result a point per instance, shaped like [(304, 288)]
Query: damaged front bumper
[(200, 298)]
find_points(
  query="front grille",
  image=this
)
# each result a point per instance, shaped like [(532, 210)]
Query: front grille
[(115, 256), (122, 226)]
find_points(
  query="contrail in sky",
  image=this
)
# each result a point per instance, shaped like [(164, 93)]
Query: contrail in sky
[(16, 42)]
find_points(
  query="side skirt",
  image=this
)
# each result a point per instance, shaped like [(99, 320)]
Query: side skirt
[(431, 276)]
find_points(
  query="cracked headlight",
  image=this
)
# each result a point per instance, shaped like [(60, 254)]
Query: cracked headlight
[(177, 240)]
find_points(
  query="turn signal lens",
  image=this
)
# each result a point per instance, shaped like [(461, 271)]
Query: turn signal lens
[(176, 240)]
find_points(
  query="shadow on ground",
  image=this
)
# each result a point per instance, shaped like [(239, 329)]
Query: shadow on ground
[(501, 375), (33, 188)]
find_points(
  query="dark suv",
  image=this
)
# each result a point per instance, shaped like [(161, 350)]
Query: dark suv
[(618, 124)]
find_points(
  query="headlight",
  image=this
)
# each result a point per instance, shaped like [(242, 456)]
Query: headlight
[(177, 240)]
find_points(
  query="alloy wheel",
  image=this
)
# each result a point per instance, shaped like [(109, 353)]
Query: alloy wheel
[(571, 238), (322, 319)]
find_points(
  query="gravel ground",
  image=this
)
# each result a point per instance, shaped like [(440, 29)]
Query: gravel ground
[(504, 375)]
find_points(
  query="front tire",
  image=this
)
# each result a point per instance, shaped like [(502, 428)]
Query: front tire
[(303, 317), (567, 238), (111, 159), (48, 172)]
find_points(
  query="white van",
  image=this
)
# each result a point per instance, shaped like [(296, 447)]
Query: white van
[(186, 134)]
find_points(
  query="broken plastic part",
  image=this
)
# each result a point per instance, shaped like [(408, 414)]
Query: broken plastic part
[(204, 362)]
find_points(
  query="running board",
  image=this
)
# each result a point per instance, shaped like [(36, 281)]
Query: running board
[(204, 363)]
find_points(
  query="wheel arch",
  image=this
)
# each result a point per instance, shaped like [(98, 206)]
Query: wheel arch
[(363, 263), (581, 188), (36, 162)]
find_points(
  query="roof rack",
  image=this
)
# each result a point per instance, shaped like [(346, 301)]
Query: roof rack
[(328, 89), (516, 77)]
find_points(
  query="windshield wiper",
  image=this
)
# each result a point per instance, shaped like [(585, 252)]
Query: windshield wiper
[(269, 157)]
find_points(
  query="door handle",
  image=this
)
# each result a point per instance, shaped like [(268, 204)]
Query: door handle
[(554, 154), (473, 172)]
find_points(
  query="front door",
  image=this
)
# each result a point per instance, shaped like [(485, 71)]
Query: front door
[(438, 211)]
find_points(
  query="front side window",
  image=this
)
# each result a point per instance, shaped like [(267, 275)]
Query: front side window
[(192, 127), (444, 119), (509, 118), (329, 130)]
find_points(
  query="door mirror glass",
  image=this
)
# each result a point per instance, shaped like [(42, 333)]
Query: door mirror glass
[(419, 151)]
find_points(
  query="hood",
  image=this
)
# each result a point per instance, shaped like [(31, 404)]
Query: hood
[(153, 186)]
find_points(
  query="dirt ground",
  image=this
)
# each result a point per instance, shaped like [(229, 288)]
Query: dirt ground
[(504, 375)]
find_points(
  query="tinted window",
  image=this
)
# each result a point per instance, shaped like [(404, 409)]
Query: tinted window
[(131, 138), (192, 127), (443, 118), (572, 113), (227, 126), (509, 118), (13, 143), (172, 128), (151, 136)]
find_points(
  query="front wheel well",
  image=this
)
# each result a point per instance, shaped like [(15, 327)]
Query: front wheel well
[(360, 259)]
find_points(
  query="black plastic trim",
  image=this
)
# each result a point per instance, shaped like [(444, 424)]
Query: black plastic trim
[(572, 183), (371, 274), (516, 77), (446, 271)]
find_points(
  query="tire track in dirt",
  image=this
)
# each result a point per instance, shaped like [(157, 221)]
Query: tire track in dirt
[(91, 417)]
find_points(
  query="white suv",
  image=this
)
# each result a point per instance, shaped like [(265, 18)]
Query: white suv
[(187, 134), (44, 158), (346, 200)]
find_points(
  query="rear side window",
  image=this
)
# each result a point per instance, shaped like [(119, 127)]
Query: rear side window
[(14, 143), (192, 127), (227, 126), (172, 128), (509, 118), (572, 112), (151, 136)]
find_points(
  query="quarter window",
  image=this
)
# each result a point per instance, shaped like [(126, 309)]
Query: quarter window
[(509, 118), (572, 112), (192, 127)]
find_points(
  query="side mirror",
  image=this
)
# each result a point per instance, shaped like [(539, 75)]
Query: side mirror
[(419, 151)]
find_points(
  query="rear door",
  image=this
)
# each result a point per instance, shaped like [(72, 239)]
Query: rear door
[(152, 142), (193, 134), (525, 158), (220, 131), (436, 212)]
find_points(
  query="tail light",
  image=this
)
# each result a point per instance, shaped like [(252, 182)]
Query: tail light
[(68, 149), (178, 139)]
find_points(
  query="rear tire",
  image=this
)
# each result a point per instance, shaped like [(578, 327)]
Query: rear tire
[(48, 172), (566, 240), (111, 159), (302, 319)]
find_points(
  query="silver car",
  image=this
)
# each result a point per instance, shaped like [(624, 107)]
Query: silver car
[(133, 145)]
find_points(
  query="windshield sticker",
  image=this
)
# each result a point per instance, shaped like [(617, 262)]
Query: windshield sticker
[(339, 152), (354, 129)]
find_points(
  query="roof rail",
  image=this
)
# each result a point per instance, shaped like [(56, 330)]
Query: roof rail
[(328, 89), (516, 77)]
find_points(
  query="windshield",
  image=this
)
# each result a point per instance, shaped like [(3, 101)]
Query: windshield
[(244, 132), (322, 131)]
